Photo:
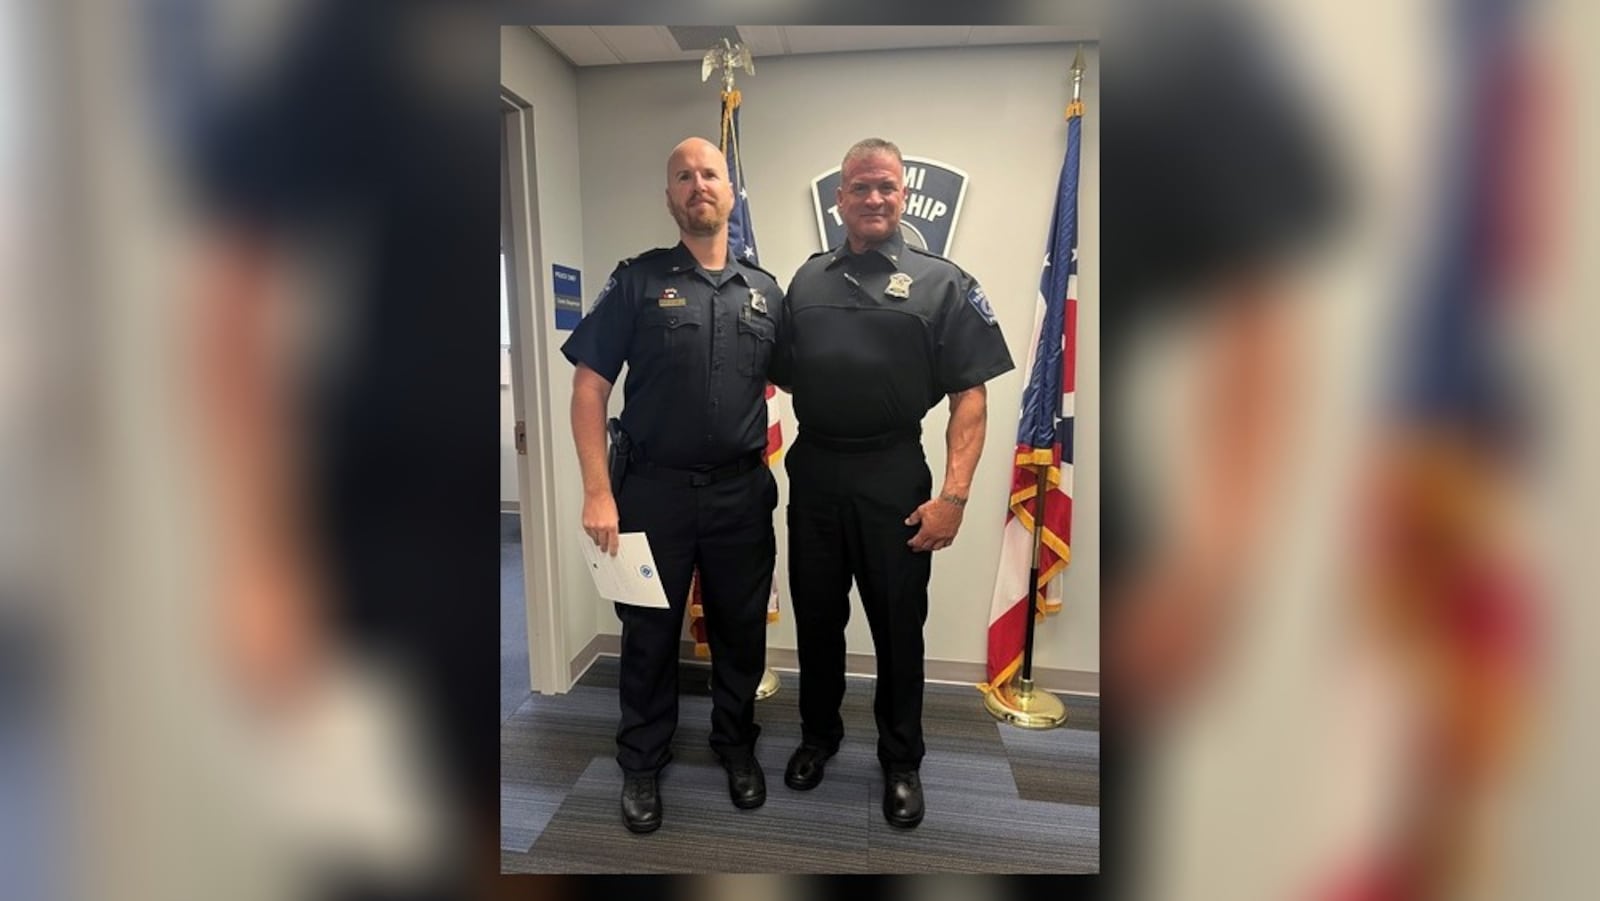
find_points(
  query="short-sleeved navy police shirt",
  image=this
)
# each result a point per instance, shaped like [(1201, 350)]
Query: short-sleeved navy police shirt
[(697, 346), (872, 341)]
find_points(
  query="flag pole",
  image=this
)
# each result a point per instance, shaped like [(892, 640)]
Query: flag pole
[(1041, 487), (729, 57), (1019, 702)]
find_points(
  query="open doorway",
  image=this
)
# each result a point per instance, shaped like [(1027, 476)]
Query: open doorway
[(515, 670), (533, 655)]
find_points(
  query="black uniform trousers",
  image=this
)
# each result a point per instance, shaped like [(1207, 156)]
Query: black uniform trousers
[(725, 529), (846, 516)]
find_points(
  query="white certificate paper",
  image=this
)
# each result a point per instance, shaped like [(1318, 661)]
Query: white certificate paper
[(631, 576)]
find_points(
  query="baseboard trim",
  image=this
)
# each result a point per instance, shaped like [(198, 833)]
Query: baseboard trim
[(955, 672), (510, 506), (600, 645)]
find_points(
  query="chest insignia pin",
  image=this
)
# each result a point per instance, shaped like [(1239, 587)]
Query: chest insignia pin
[(899, 286)]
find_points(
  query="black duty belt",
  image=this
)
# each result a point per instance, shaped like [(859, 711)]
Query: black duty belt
[(697, 478), (861, 445)]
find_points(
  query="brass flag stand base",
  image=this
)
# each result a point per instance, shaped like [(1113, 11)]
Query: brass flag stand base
[(767, 688), (1019, 703)]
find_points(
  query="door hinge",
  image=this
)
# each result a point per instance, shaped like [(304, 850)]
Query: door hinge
[(522, 437)]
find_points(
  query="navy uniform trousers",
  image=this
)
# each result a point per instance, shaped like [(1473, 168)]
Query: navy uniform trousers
[(848, 502), (724, 528)]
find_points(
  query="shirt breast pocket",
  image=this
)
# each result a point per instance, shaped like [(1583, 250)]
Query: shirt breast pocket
[(757, 336), (670, 333)]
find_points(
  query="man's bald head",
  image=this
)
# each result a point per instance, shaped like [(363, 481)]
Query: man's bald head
[(699, 194), (691, 151)]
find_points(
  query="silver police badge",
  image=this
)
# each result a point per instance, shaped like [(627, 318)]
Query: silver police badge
[(757, 302), (899, 286)]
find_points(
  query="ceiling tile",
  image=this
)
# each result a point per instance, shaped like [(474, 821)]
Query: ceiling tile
[(700, 38), (578, 43), (1085, 30), (638, 43), (830, 38), (763, 40)]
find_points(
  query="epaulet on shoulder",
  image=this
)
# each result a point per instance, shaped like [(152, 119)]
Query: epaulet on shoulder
[(756, 266), (943, 259), (653, 252)]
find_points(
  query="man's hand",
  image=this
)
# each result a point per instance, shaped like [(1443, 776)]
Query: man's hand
[(940, 519), (590, 392), (600, 521)]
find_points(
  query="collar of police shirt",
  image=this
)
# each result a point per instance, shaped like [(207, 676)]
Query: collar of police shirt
[(683, 261), (892, 249)]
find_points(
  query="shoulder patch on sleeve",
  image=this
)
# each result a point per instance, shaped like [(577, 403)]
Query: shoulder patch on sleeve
[(980, 302), (622, 266), (606, 291)]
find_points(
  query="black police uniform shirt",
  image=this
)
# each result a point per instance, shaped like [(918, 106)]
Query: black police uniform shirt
[(697, 348), (872, 341)]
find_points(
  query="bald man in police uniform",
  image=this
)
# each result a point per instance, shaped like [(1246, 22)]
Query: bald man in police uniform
[(874, 334), (697, 329)]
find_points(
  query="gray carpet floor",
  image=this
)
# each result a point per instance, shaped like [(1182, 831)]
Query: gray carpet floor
[(1000, 799), (514, 680)]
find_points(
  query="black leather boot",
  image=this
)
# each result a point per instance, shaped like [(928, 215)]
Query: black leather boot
[(804, 771), (641, 802), (747, 785), (902, 799)]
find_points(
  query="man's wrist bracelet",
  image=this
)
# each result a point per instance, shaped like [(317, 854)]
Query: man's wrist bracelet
[(953, 500)]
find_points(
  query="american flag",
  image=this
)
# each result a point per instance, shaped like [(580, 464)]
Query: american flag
[(741, 244), (1044, 436)]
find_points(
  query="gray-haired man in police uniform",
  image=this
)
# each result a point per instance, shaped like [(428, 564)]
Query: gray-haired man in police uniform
[(873, 334)]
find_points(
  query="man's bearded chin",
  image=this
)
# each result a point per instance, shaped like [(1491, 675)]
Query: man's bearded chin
[(698, 220)]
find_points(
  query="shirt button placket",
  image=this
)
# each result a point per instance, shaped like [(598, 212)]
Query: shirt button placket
[(716, 359)]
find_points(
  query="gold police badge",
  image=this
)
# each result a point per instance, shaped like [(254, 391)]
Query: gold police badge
[(899, 286)]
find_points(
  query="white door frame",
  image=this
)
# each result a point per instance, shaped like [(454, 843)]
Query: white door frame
[(530, 399)]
